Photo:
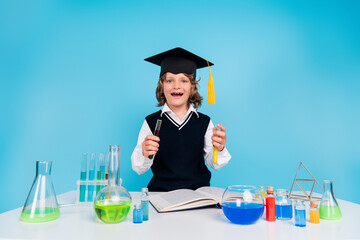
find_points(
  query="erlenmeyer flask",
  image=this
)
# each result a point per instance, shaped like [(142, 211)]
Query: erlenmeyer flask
[(112, 204), (329, 208), (41, 204)]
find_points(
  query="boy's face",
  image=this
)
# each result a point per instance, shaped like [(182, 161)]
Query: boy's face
[(177, 89)]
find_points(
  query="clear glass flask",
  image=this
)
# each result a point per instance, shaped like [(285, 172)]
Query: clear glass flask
[(112, 204), (41, 204), (329, 208)]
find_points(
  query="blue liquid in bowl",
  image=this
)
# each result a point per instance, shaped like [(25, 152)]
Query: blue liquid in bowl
[(246, 213)]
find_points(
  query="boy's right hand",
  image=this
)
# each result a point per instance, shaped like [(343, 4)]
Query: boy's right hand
[(150, 145)]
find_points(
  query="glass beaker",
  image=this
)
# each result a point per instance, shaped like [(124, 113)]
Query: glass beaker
[(283, 205), (41, 204), (242, 204), (112, 204), (329, 208)]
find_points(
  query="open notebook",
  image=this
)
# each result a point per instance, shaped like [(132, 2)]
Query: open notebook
[(183, 199)]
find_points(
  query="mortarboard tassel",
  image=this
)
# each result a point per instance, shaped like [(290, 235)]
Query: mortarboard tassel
[(211, 100), (210, 89)]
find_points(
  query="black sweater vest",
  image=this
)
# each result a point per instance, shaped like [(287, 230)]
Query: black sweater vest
[(179, 162)]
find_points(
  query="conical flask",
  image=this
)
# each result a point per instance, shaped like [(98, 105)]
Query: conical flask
[(329, 208), (41, 204), (112, 204)]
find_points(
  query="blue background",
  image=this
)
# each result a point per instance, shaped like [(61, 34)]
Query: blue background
[(73, 80)]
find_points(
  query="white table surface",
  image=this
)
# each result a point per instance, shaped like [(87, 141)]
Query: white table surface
[(209, 223)]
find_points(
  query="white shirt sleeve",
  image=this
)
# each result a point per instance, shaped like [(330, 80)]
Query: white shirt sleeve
[(223, 156), (139, 163)]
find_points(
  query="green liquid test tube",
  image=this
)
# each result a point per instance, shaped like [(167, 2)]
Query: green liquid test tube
[(100, 172)]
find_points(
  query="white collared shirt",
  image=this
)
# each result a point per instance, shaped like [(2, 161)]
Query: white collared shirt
[(141, 164)]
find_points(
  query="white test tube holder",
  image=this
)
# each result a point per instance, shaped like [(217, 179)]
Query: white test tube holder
[(86, 183)]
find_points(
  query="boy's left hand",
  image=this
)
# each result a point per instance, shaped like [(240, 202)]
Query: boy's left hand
[(219, 137)]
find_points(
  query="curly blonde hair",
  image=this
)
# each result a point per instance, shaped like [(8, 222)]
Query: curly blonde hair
[(194, 98)]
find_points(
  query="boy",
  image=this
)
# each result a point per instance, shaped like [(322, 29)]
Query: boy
[(186, 135)]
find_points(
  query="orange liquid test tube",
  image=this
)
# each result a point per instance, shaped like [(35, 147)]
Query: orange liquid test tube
[(314, 212)]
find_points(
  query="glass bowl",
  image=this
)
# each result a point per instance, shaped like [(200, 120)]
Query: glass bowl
[(242, 204)]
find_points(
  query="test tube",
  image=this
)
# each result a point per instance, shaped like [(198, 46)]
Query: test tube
[(270, 205), (215, 154), (100, 175), (83, 171), (91, 177), (107, 163), (300, 214), (145, 203), (156, 132), (137, 214)]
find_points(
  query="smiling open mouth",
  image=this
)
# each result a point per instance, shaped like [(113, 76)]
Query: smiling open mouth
[(176, 94)]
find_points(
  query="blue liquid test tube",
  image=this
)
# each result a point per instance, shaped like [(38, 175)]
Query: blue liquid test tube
[(91, 177), (137, 214), (145, 203), (83, 171), (300, 215)]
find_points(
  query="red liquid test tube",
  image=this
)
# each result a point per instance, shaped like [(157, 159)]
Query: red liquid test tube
[(270, 205)]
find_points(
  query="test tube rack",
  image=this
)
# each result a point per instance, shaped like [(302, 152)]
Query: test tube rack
[(85, 184)]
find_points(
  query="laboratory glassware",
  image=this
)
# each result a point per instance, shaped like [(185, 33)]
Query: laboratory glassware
[(100, 173), (300, 214), (91, 177), (314, 212), (138, 213), (107, 164), (145, 203), (112, 204), (329, 208), (83, 176), (283, 205), (41, 204), (156, 132), (263, 192), (242, 204), (270, 205)]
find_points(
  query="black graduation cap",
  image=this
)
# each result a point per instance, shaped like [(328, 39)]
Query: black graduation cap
[(178, 60)]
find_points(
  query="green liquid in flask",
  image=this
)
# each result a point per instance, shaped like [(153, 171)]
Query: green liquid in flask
[(330, 213), (40, 215), (112, 212)]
